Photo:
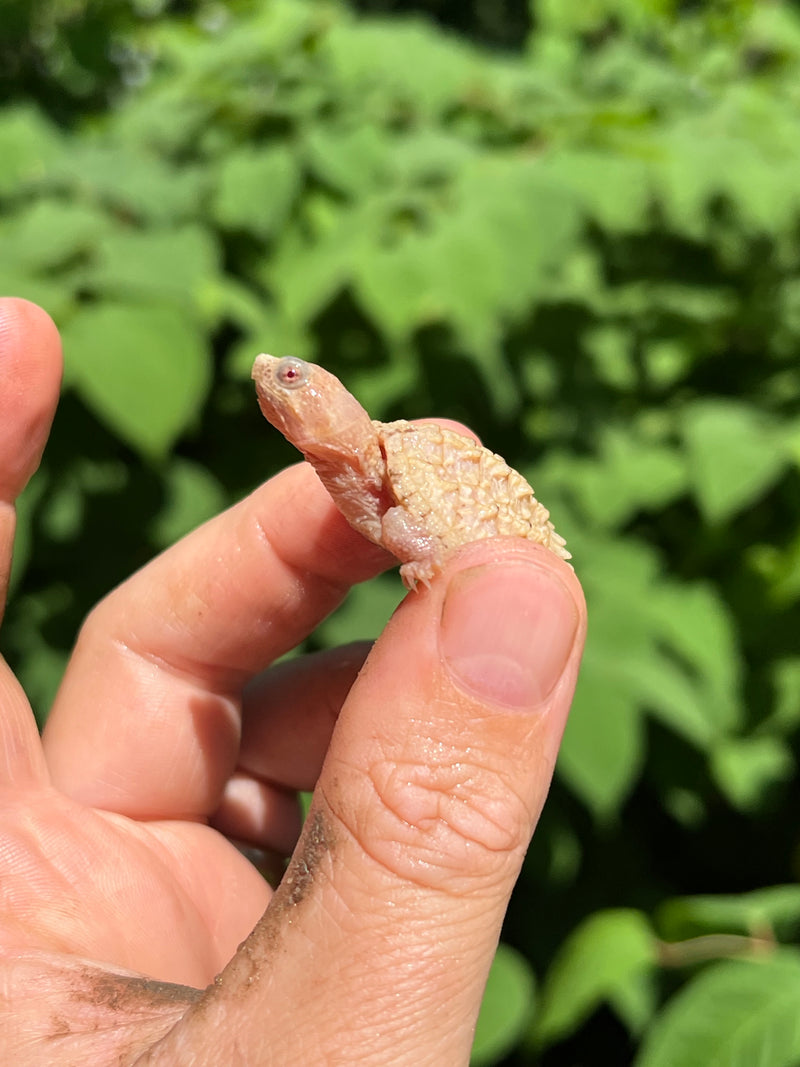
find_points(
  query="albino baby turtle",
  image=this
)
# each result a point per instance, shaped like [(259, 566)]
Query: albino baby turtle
[(419, 490)]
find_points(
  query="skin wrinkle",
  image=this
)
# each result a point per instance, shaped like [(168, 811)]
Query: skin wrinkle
[(324, 547), (402, 841), (333, 585), (187, 674), (441, 790), (301, 577), (431, 770)]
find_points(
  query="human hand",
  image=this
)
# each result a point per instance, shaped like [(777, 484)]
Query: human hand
[(122, 897)]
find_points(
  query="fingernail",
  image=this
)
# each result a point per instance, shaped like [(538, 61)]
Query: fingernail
[(507, 631)]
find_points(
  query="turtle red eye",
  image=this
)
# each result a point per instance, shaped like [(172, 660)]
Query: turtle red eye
[(291, 372)]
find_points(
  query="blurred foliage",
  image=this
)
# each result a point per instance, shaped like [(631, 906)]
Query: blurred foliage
[(587, 248)]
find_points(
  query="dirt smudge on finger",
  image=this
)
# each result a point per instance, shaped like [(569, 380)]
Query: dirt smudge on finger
[(318, 839), (134, 995), (254, 954), (74, 1011)]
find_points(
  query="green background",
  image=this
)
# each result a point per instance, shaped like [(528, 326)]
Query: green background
[(573, 226)]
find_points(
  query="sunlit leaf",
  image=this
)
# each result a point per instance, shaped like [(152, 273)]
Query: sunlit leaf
[(611, 951), (192, 495), (365, 612), (28, 146), (506, 1007), (49, 233), (256, 189), (167, 264), (353, 159), (735, 1014), (734, 455), (746, 768), (133, 181), (773, 911), (144, 370)]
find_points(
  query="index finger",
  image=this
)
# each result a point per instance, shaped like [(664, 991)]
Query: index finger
[(146, 722), (30, 371)]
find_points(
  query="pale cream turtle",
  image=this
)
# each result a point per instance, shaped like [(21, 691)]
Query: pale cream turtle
[(418, 489)]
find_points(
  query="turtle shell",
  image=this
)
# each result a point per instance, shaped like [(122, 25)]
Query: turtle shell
[(460, 491)]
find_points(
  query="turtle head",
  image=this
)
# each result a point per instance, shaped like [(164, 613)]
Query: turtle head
[(312, 409)]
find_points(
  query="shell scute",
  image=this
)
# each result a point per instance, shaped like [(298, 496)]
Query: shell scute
[(461, 491)]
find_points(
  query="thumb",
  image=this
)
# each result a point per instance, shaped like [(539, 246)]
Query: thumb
[(387, 920)]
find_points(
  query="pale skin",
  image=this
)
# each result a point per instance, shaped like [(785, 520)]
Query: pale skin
[(421, 490), (122, 897)]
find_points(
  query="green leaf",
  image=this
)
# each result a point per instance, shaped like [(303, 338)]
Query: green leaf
[(603, 747), (629, 475), (653, 646), (773, 911), (611, 188), (383, 391), (734, 1014), (64, 513), (737, 150), (351, 158), (521, 246), (40, 674), (170, 264), (428, 157), (144, 369), (256, 189), (128, 180), (41, 664), (666, 362), (745, 768), (27, 506), (579, 16), (192, 495), (611, 351), (364, 613), (49, 232), (506, 1007), (396, 289), (399, 67), (471, 264), (55, 294), (779, 567), (734, 455), (695, 623), (786, 679), (306, 276), (28, 146), (674, 695), (635, 1002), (610, 951)]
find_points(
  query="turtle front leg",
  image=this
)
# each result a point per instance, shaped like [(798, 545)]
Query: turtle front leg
[(406, 537)]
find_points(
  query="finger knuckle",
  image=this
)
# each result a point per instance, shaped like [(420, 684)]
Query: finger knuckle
[(445, 820)]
